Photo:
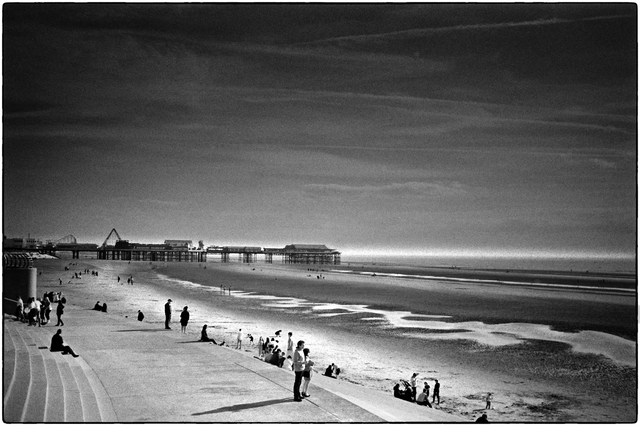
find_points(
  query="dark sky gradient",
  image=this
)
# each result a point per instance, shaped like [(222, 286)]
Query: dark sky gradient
[(430, 127)]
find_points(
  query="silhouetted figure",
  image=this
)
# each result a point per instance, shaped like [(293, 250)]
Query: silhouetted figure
[(205, 338), (436, 392), (167, 314), (184, 319), (59, 312), (57, 345), (140, 315)]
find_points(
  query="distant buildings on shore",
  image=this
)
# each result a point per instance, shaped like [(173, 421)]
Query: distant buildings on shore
[(21, 243)]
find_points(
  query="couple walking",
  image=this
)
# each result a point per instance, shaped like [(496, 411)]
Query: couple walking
[(303, 367)]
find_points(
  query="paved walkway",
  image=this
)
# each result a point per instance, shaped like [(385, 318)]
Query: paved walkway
[(130, 372)]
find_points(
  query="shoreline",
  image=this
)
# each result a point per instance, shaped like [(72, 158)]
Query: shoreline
[(515, 401), (584, 280)]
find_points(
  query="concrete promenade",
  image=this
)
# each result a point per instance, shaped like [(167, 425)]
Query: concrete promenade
[(130, 371)]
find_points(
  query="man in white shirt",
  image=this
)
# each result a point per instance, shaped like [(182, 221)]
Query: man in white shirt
[(239, 340), (298, 368)]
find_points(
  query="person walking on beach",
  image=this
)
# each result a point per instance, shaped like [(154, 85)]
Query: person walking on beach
[(59, 312), (239, 340), (140, 315), (184, 319), (298, 368), (167, 314), (488, 399), (307, 373), (436, 392), (290, 345)]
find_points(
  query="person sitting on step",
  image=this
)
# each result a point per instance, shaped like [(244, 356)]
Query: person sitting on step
[(57, 345)]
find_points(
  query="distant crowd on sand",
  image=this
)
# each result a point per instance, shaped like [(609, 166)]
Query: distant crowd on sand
[(407, 390)]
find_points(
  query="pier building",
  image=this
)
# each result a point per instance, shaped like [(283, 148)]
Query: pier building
[(124, 250), (292, 253), (307, 253)]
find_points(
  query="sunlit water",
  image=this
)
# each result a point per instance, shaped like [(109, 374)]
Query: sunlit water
[(429, 327), (608, 264)]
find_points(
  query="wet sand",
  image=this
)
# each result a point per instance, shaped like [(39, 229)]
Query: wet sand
[(350, 320)]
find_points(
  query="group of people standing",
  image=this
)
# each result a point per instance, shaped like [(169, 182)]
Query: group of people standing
[(184, 317), (129, 280), (410, 392), (38, 311), (303, 370)]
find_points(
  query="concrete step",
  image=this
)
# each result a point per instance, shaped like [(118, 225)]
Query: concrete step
[(90, 408), (36, 401), (69, 405), (89, 403), (54, 412), (72, 401), (54, 408), (54, 393), (96, 405), (51, 387), (105, 406), (18, 394), (9, 363), (18, 389)]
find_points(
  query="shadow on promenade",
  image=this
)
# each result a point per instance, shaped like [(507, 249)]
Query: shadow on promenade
[(240, 407)]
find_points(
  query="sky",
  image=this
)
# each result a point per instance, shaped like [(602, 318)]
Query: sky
[(404, 127)]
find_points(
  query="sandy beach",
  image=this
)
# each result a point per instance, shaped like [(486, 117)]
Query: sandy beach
[(548, 355)]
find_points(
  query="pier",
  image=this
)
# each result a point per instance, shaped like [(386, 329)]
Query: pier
[(292, 253), (152, 255), (116, 248)]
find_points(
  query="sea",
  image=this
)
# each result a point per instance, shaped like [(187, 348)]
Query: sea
[(604, 264)]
